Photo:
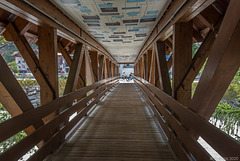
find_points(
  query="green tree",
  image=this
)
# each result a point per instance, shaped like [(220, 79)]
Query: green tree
[(13, 66), (195, 47), (4, 115)]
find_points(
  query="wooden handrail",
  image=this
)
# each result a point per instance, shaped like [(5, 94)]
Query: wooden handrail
[(221, 142), (42, 133), (28, 118), (182, 134), (41, 153)]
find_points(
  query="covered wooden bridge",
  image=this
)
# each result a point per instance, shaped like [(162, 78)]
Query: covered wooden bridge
[(154, 118)]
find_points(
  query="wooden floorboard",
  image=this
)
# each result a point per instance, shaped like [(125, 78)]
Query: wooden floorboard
[(121, 128)]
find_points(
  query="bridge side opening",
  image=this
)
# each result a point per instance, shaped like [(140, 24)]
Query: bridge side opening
[(167, 84)]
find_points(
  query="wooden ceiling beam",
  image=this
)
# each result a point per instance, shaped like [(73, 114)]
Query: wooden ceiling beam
[(222, 64), (196, 9), (175, 12), (54, 18)]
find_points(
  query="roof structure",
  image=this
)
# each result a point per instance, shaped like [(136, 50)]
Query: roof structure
[(120, 26), (101, 34)]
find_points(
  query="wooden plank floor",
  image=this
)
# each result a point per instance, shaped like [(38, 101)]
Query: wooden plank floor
[(121, 128)]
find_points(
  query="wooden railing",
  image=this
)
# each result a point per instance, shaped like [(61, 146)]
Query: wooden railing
[(54, 132), (176, 121)]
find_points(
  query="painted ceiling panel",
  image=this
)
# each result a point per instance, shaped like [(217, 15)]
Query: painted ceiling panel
[(121, 26)]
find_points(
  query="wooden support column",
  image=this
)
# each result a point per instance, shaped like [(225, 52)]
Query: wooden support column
[(107, 72), (94, 63), (47, 40), (162, 68), (182, 57), (141, 67), (118, 70), (75, 69), (152, 69), (82, 74), (145, 66), (105, 68), (112, 69), (89, 71), (198, 61), (101, 67), (148, 64), (223, 62), (156, 74)]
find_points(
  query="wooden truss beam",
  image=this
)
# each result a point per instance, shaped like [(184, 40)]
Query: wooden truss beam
[(141, 64), (101, 66), (94, 63), (182, 57), (12, 96), (105, 68), (145, 66), (197, 62), (55, 18), (148, 66), (65, 53), (89, 70), (75, 69), (176, 11), (162, 68), (107, 71), (222, 64), (47, 41), (152, 69), (29, 56)]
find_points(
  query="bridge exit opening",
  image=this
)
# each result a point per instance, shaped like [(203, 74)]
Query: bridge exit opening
[(126, 72)]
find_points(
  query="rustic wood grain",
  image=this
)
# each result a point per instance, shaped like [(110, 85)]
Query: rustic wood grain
[(121, 128)]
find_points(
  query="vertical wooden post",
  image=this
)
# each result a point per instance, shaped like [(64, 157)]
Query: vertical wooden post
[(148, 64), (101, 67), (89, 71), (141, 67), (94, 63), (156, 79), (117, 70), (47, 39), (136, 69), (83, 72), (182, 57), (106, 65), (162, 68), (152, 69), (107, 73), (145, 57), (112, 69)]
